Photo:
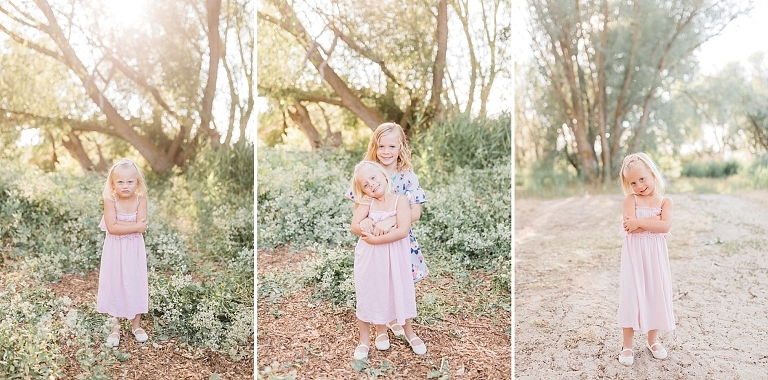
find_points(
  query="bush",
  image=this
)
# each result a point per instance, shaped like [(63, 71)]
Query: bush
[(207, 314), (461, 142), (332, 275), (301, 200), (468, 222), (710, 169)]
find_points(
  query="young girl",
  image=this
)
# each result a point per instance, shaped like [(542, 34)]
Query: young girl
[(383, 282), (645, 289), (123, 286), (388, 147)]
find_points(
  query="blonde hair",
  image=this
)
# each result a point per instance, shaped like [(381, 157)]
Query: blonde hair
[(141, 186), (631, 162), (357, 191), (403, 157)]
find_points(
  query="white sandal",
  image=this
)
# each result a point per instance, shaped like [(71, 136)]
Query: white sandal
[(113, 339), (626, 360), (658, 354), (382, 345), (419, 349), (396, 329), (141, 337), (359, 355)]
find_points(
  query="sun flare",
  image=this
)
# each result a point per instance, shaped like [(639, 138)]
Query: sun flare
[(125, 12)]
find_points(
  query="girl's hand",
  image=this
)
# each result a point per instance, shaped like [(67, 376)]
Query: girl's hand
[(367, 237), (366, 225), (630, 224), (384, 226), (142, 225)]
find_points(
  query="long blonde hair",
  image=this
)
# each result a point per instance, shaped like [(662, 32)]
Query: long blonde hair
[(357, 191), (403, 156), (631, 162), (141, 186)]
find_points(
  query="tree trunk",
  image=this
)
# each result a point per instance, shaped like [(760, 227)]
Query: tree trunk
[(151, 153), (75, 148), (349, 99), (439, 66), (304, 121), (213, 8)]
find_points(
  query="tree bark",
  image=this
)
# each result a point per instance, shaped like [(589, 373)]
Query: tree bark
[(304, 121), (213, 10), (439, 66)]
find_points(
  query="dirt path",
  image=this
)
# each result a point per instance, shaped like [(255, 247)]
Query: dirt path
[(567, 254)]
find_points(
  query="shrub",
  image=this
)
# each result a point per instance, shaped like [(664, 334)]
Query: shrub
[(206, 314), (332, 275), (301, 200), (710, 169), (468, 221)]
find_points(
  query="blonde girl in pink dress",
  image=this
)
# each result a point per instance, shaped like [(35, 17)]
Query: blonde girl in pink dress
[(388, 146), (645, 282), (123, 286), (383, 282)]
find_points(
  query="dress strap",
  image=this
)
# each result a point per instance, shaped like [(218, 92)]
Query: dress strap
[(398, 196)]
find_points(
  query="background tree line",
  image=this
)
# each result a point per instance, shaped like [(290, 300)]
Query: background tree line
[(612, 77)]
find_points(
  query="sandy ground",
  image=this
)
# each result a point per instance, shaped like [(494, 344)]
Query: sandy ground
[(567, 254)]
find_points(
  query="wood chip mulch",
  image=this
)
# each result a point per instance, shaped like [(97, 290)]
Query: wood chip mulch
[(309, 340), (153, 359)]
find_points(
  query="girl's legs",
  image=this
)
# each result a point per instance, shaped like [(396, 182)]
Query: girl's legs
[(382, 338), (652, 336), (114, 337), (365, 340), (628, 333), (138, 332), (416, 343)]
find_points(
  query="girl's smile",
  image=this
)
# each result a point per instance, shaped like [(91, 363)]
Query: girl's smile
[(388, 151), (371, 181), (641, 180)]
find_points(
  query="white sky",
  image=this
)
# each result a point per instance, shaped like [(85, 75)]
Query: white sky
[(742, 37)]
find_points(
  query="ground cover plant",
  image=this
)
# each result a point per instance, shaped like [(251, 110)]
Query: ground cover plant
[(200, 320)]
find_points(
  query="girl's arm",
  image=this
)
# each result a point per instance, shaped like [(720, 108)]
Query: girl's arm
[(366, 224), (385, 225), (123, 228), (359, 217), (654, 225), (401, 229)]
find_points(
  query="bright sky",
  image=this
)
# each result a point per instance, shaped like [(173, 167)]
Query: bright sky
[(741, 38)]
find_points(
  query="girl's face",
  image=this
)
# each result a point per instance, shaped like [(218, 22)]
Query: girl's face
[(641, 180), (124, 181), (388, 151), (372, 181)]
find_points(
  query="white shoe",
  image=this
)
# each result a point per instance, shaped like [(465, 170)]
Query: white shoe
[(658, 354), (360, 355), (626, 360), (382, 345), (141, 336), (113, 339), (419, 349), (396, 329)]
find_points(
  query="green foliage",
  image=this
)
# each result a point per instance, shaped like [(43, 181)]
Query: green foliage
[(469, 220), (301, 199), (207, 314), (31, 352), (757, 172), (710, 168), (462, 142), (221, 183), (332, 274)]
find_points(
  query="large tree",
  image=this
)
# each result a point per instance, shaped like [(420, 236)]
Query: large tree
[(363, 63), (152, 83), (609, 64)]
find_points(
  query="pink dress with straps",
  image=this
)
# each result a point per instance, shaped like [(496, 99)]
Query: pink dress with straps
[(123, 285), (645, 282), (383, 281)]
